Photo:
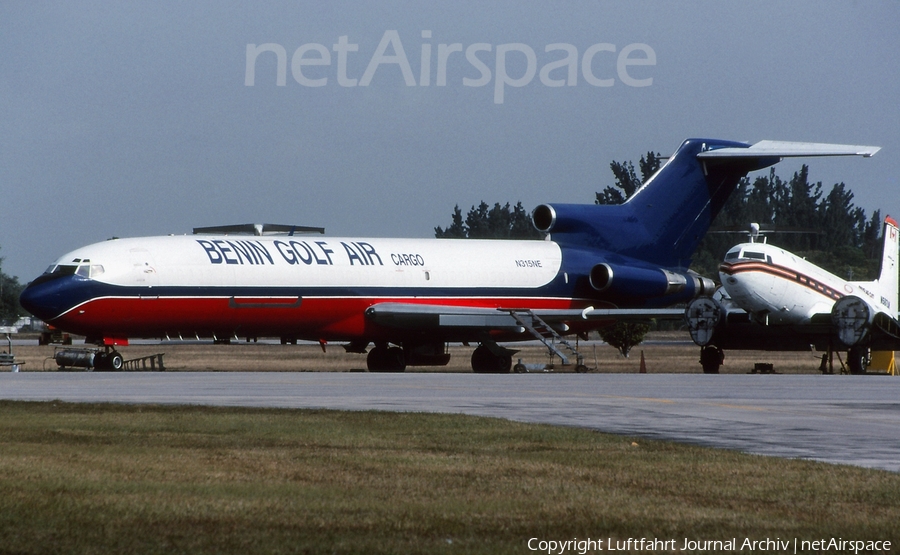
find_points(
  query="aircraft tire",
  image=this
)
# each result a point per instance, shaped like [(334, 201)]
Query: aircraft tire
[(858, 360), (711, 358), (396, 360), (486, 362), (384, 359), (115, 361), (519, 368)]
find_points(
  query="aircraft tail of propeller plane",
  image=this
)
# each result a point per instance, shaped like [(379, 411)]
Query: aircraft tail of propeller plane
[(600, 264)]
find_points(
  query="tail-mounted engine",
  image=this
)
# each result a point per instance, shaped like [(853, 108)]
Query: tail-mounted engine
[(646, 282)]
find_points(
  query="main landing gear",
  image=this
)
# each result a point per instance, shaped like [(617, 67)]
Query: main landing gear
[(486, 360), (386, 359), (711, 358), (858, 359)]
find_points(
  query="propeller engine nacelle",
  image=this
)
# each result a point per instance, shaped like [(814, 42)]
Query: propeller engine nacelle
[(852, 317), (646, 282)]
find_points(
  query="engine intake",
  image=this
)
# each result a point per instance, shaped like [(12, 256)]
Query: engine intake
[(565, 218), (543, 217)]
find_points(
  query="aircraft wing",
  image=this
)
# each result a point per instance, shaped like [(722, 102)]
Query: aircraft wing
[(425, 316), (729, 327), (885, 332)]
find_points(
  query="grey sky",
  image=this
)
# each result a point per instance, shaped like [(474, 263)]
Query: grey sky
[(126, 119)]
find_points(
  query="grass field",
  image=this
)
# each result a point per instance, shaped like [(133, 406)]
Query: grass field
[(80, 478)]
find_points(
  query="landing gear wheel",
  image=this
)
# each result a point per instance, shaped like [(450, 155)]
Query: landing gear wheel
[(115, 361), (520, 368), (858, 360), (109, 361), (486, 362), (582, 369), (386, 359), (711, 358)]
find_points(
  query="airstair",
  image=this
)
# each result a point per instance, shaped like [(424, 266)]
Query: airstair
[(542, 331)]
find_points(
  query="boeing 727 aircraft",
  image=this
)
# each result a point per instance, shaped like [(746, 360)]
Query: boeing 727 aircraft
[(411, 297), (776, 300)]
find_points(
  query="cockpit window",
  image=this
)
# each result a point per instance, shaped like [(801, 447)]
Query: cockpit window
[(88, 270), (81, 268), (754, 255), (63, 270), (733, 255)]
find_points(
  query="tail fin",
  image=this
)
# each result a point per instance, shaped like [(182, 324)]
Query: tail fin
[(887, 274), (664, 221)]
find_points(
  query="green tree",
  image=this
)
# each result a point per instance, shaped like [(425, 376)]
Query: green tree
[(10, 289), (456, 229), (829, 231), (486, 222), (624, 335), (626, 180)]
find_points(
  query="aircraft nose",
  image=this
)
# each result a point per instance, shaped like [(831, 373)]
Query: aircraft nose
[(42, 299)]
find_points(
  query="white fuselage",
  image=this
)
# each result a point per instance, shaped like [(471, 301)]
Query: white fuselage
[(779, 287), (300, 286)]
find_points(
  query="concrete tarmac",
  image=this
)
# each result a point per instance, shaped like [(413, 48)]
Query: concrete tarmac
[(837, 419)]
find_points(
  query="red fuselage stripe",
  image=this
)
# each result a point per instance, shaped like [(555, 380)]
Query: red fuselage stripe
[(781, 272), (329, 318)]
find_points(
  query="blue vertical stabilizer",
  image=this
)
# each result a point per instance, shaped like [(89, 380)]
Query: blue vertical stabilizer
[(664, 221)]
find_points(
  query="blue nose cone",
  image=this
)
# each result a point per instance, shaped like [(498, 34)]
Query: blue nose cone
[(46, 299)]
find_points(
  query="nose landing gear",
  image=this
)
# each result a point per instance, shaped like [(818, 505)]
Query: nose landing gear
[(109, 360)]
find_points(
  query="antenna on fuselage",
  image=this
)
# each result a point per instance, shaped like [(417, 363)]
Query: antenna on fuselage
[(757, 231), (754, 233)]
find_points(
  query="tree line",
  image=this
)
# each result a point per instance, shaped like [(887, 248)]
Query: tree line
[(10, 288), (819, 223)]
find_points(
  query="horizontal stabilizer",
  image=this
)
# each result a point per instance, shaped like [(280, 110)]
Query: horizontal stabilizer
[(786, 149)]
